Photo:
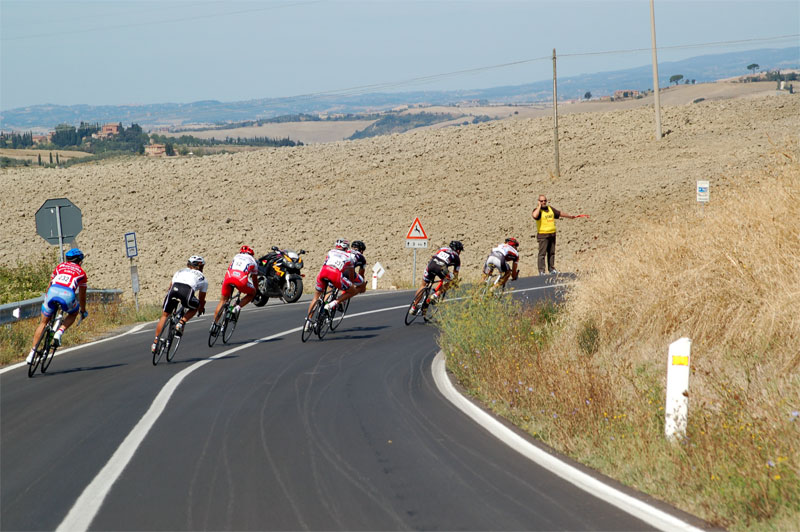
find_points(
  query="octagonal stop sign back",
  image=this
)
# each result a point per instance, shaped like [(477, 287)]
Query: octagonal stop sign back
[(47, 220)]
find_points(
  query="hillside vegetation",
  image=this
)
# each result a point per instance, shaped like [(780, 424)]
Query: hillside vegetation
[(589, 378)]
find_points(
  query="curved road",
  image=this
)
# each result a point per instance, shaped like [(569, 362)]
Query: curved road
[(347, 433)]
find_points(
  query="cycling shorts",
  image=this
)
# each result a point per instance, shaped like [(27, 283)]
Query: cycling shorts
[(180, 293), (240, 280), (59, 296), (436, 269), (497, 262), (333, 276)]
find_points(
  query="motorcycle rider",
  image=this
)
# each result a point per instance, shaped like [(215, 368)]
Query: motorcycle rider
[(243, 274), (337, 269), (357, 249), (499, 258)]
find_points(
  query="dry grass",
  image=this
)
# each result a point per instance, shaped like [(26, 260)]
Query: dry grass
[(590, 381)]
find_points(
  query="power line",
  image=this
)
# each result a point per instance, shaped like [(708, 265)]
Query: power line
[(375, 87)]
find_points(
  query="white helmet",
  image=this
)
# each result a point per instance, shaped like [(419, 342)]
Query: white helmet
[(197, 261), (343, 244)]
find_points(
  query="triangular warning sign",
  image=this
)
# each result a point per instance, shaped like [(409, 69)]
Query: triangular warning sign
[(416, 232)]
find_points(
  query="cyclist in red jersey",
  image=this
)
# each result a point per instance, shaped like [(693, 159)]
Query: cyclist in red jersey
[(64, 281), (337, 270), (243, 274)]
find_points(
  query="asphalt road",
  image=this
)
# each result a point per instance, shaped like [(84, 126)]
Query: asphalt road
[(347, 433)]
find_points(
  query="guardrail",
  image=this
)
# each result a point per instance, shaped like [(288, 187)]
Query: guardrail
[(32, 307)]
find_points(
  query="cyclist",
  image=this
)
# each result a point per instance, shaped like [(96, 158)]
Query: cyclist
[(357, 249), (243, 274), (66, 278), (499, 258), (182, 288), (439, 266), (338, 270)]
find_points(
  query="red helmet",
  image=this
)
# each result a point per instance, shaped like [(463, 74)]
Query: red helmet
[(247, 249), (512, 242)]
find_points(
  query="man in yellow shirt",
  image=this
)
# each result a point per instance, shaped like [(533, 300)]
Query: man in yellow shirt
[(545, 217)]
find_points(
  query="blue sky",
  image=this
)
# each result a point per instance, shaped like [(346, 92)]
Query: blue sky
[(137, 52)]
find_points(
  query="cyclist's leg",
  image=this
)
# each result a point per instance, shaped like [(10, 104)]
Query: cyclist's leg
[(248, 290), (319, 288), (166, 310), (37, 335), (225, 294), (427, 276)]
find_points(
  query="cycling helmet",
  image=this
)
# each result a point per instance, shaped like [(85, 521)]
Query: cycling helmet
[(342, 244), (197, 261), (358, 245), (513, 242), (74, 255), (247, 249), (455, 245)]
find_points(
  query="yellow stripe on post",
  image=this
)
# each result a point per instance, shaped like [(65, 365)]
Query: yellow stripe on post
[(680, 361)]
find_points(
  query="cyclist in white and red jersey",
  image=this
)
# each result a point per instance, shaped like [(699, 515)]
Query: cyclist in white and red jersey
[(66, 279), (439, 266), (500, 257), (243, 274), (182, 289), (357, 249), (338, 270)]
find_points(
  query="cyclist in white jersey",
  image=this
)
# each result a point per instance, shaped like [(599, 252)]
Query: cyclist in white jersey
[(182, 289), (500, 257)]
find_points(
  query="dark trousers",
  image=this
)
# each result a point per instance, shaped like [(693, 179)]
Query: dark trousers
[(547, 249)]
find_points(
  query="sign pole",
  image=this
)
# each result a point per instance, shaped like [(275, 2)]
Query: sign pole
[(414, 271), (135, 284), (60, 234)]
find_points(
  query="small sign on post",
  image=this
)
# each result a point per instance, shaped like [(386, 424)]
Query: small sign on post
[(416, 238), (677, 407), (377, 273), (703, 194), (131, 250)]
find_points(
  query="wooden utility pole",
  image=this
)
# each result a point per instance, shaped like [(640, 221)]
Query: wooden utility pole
[(555, 113), (655, 71)]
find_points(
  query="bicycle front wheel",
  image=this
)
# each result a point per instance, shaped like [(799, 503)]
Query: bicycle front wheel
[(338, 315), (433, 309), (228, 327)]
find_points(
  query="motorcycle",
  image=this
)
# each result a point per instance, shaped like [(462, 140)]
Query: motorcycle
[(279, 276)]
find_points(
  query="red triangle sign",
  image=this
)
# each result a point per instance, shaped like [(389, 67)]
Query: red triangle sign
[(416, 232)]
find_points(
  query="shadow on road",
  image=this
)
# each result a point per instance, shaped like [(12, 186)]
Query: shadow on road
[(75, 370)]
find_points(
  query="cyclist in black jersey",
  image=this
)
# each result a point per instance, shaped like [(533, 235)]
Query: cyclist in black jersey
[(443, 260)]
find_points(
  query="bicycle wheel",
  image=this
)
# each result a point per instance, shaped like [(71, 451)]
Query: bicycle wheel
[(161, 343), (306, 332), (228, 326), (47, 356), (41, 347), (338, 314), (173, 341), (216, 326), (323, 324), (432, 309)]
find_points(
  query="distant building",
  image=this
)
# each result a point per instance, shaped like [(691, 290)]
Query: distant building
[(619, 95), (38, 139), (107, 131), (155, 150)]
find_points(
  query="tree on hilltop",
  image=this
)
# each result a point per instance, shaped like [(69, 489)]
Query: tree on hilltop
[(752, 67), (676, 78), (587, 96)]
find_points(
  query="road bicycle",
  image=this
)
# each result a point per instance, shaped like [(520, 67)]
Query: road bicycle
[(428, 306), (168, 341), (225, 321), (45, 349), (323, 320), (492, 286)]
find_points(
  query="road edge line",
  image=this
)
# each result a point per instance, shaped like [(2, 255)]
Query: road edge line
[(633, 506)]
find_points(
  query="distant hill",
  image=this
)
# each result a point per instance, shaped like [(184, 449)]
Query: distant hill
[(701, 68)]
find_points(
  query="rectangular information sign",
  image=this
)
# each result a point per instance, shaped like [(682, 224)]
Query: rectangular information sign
[(703, 194), (130, 245), (416, 243)]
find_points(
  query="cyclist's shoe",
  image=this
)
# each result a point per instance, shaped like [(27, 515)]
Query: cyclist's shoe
[(57, 338), (214, 329), (435, 297), (154, 347), (236, 310), (29, 360), (554, 271), (307, 326), (413, 310), (332, 305), (179, 329)]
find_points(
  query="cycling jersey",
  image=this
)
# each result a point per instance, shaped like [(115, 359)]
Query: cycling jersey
[(69, 275), (194, 278), (340, 260), (238, 275), (359, 261), (446, 257), (335, 270), (506, 251)]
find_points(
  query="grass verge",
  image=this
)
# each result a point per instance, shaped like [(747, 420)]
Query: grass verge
[(588, 377)]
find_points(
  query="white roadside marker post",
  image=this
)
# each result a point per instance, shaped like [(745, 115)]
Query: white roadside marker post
[(377, 273), (677, 408)]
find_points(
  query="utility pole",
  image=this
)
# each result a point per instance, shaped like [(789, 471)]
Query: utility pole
[(555, 113), (655, 71)]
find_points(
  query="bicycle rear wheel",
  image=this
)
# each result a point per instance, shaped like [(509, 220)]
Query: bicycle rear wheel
[(173, 341), (228, 326), (163, 338), (47, 357), (323, 322), (216, 327), (308, 327), (39, 350)]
